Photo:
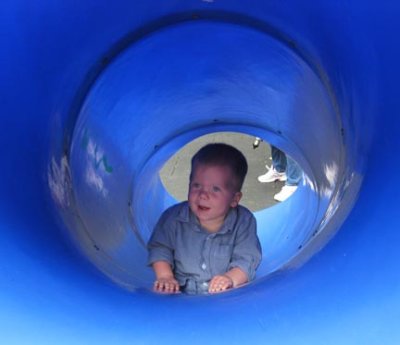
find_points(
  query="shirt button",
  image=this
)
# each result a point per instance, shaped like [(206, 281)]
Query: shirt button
[(203, 266)]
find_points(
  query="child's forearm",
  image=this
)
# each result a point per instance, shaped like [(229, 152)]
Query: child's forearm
[(162, 269), (237, 276)]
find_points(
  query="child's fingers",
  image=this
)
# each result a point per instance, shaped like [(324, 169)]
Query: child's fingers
[(166, 286), (219, 283), (170, 287), (218, 287)]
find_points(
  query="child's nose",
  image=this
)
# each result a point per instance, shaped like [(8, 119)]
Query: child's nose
[(204, 193)]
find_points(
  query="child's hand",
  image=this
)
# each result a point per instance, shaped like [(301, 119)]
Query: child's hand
[(166, 285), (219, 284)]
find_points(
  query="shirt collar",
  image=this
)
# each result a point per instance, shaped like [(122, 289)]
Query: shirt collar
[(187, 216)]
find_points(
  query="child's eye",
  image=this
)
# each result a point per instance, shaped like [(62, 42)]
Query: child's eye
[(195, 185), (216, 189)]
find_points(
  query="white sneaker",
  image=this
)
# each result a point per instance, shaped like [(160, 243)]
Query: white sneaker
[(285, 193), (272, 175)]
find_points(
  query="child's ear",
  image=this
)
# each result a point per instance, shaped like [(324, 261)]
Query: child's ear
[(236, 199)]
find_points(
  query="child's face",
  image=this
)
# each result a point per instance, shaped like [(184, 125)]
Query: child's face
[(212, 194)]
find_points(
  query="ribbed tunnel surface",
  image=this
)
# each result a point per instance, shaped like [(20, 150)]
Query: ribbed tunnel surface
[(97, 97)]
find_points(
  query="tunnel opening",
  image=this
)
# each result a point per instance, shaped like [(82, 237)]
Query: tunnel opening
[(258, 194)]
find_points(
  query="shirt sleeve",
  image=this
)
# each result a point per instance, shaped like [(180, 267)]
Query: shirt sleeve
[(247, 252), (161, 245)]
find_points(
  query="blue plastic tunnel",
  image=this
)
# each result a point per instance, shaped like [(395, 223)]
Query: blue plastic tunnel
[(97, 96)]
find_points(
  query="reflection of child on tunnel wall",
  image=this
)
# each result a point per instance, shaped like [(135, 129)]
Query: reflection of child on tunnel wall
[(209, 243)]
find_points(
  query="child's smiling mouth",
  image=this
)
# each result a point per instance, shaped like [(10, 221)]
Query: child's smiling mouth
[(203, 208)]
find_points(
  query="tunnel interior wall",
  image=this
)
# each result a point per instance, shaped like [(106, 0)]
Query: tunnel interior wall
[(52, 55)]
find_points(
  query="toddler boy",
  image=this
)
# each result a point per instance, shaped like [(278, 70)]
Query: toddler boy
[(209, 243)]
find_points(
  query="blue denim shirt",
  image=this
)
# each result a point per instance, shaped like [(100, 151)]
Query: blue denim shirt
[(197, 255)]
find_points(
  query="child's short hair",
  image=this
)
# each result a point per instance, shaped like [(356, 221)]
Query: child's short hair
[(220, 154)]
